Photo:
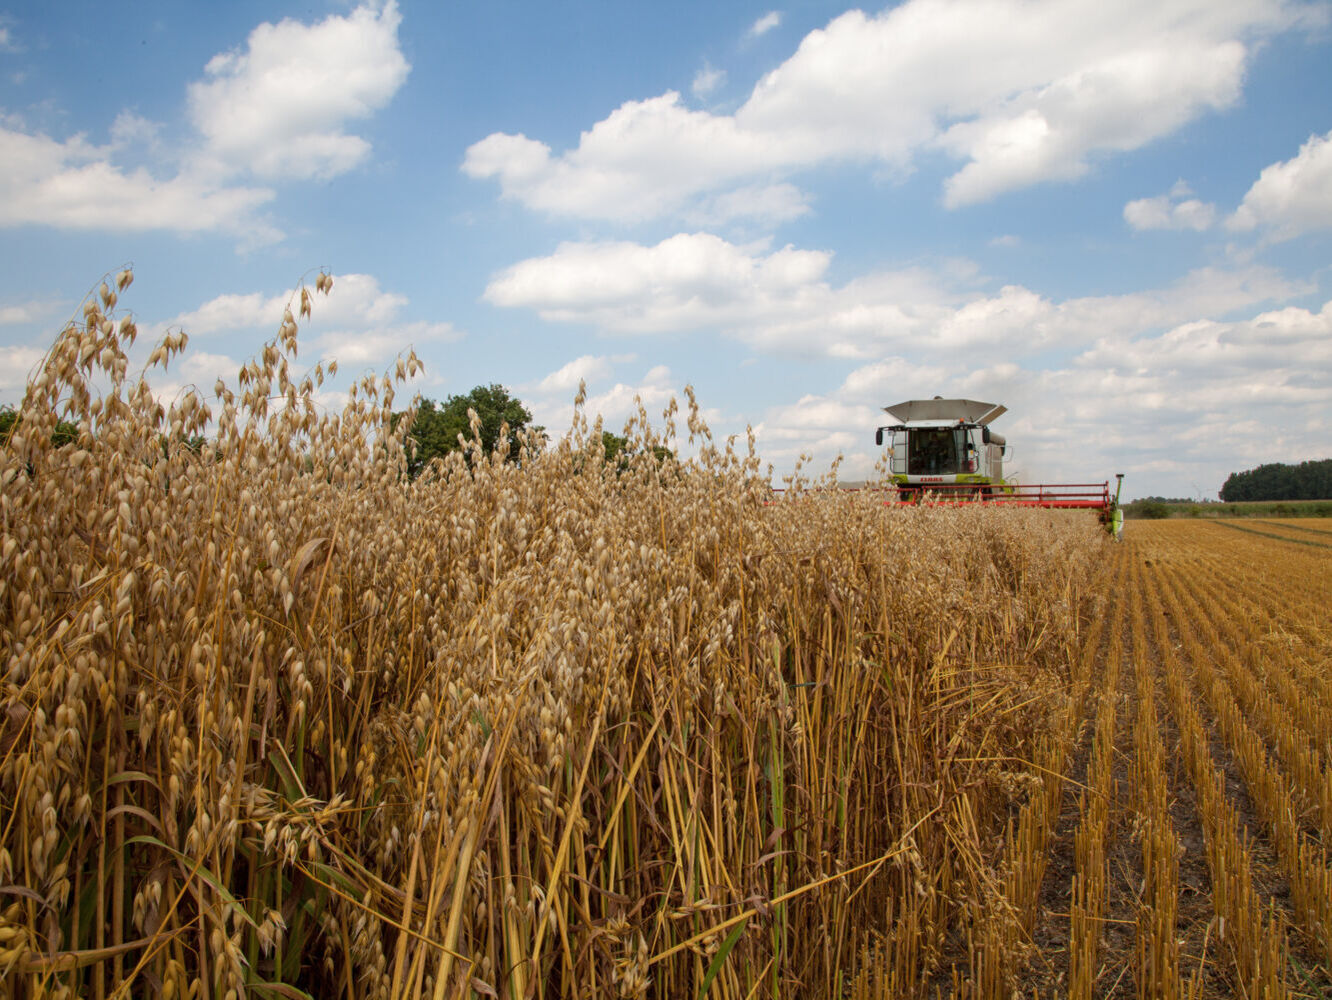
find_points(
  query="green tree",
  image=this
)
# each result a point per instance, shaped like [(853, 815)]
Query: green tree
[(1311, 480), (614, 444), (619, 452), (64, 432), (438, 425), (1148, 507)]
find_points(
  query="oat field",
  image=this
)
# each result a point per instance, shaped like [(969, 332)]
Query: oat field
[(1197, 853), (280, 722)]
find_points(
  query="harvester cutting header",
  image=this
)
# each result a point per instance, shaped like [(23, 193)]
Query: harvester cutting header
[(946, 447)]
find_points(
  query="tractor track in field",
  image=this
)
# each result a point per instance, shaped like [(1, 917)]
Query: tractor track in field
[(1286, 525), (1270, 534)]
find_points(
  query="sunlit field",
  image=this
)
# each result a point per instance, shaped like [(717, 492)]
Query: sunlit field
[(1211, 857), (280, 721)]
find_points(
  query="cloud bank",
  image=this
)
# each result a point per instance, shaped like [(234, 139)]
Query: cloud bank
[(781, 301), (1019, 94), (277, 109)]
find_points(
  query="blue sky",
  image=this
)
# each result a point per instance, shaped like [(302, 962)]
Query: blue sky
[(1116, 219)]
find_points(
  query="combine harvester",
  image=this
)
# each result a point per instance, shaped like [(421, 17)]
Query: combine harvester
[(944, 448)]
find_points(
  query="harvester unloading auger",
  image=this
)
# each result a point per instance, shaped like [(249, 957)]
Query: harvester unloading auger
[(944, 447)]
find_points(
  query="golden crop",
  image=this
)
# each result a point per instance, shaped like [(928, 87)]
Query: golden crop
[(278, 720), (272, 713)]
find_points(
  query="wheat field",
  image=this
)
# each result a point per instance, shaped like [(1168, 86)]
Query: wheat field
[(279, 721)]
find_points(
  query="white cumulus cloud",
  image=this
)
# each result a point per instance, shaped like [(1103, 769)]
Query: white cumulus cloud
[(25, 312), (280, 107), (1291, 197), (770, 203), (1020, 93), (229, 312), (589, 368), (685, 281), (765, 23), (76, 185), (707, 80), (646, 159), (1116, 101), (781, 301), (1170, 211), (16, 362), (358, 323), (375, 346), (551, 400), (357, 300)]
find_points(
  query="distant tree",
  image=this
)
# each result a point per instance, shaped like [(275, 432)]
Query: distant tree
[(619, 452), (1152, 509), (1279, 481), (64, 432), (438, 425), (614, 444)]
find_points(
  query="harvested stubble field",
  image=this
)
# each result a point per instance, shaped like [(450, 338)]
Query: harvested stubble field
[(278, 721), (1198, 838)]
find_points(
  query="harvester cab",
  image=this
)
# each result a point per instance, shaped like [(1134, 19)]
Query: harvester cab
[(945, 443)]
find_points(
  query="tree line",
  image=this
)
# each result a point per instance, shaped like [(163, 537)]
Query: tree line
[(64, 432), (438, 425), (435, 432), (1279, 481)]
